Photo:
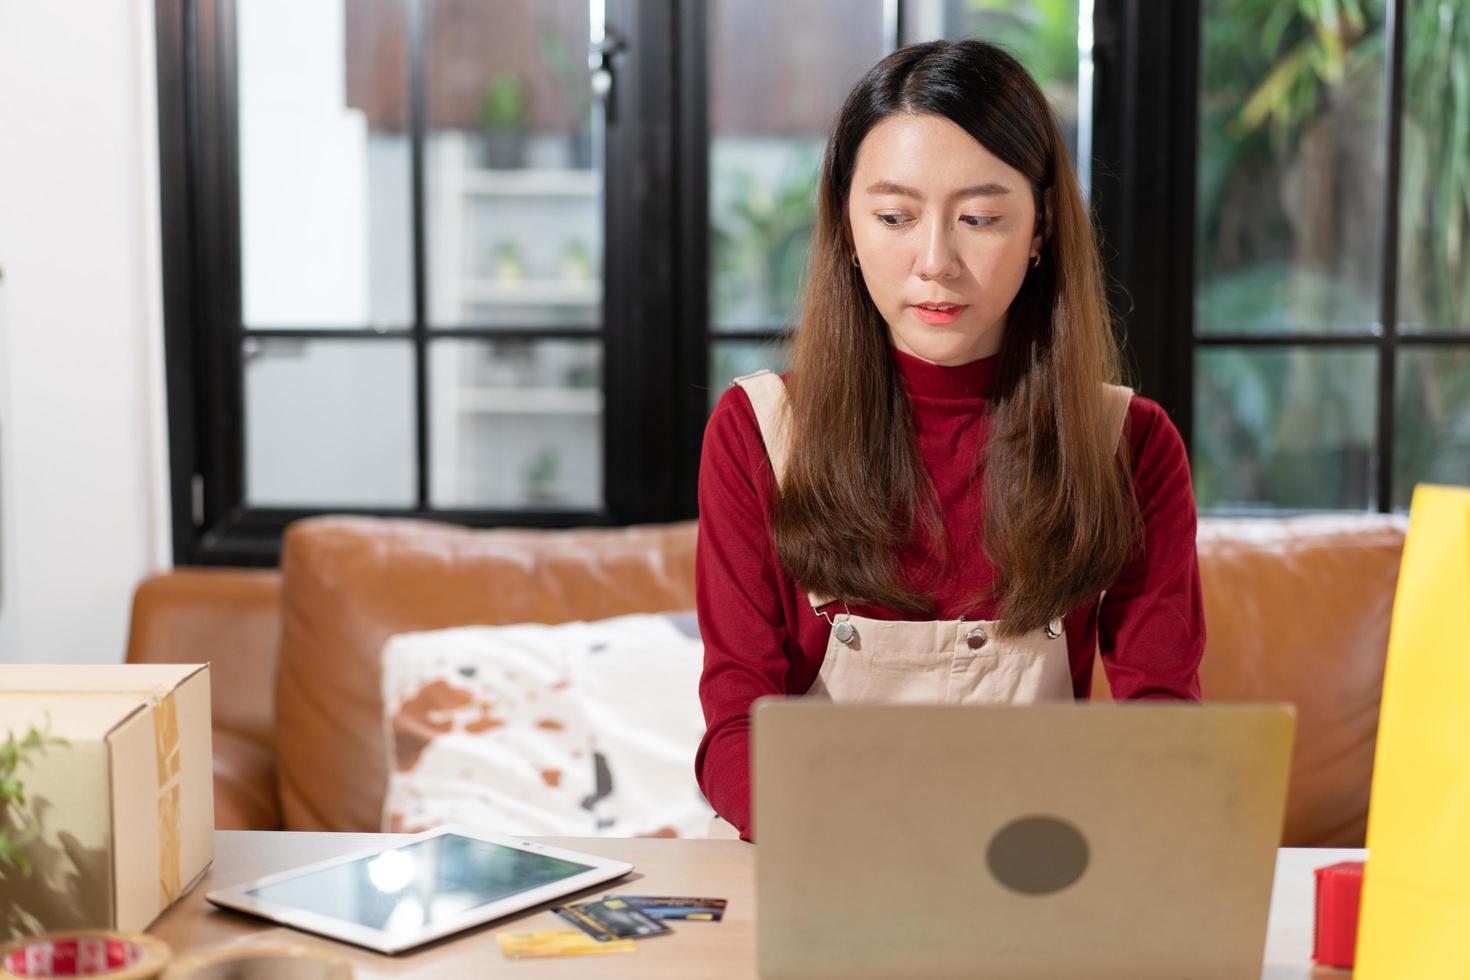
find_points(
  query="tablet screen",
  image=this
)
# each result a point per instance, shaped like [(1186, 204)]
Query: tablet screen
[(420, 884)]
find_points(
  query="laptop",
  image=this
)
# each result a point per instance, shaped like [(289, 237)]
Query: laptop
[(1051, 841)]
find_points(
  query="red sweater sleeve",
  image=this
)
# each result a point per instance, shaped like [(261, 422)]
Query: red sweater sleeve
[(1151, 628), (745, 654)]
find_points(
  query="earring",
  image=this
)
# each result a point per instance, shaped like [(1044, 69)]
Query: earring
[(855, 261), (1036, 261)]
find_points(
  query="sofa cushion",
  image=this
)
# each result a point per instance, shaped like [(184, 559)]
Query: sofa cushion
[(576, 730), (1298, 610), (245, 796), (350, 583), (229, 618)]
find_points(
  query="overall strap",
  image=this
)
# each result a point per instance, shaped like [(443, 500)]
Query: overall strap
[(767, 394), (1115, 415)]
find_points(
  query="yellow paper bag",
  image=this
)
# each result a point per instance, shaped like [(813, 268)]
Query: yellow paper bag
[(1415, 915)]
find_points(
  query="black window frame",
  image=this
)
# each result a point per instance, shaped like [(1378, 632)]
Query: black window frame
[(649, 439), (1145, 117)]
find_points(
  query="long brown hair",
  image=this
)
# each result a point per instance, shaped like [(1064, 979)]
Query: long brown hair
[(1060, 519)]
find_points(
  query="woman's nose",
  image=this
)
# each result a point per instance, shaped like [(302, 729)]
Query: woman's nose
[(938, 259)]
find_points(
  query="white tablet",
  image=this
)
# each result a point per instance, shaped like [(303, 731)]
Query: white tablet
[(436, 883)]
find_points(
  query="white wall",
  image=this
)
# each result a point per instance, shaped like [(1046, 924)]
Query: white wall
[(83, 467)]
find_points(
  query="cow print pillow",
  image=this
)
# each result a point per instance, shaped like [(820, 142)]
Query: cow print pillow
[(580, 729)]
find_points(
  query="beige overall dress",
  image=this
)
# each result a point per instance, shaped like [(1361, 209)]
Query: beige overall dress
[(939, 662)]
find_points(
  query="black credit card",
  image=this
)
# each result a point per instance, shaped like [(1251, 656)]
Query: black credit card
[(673, 908), (612, 918)]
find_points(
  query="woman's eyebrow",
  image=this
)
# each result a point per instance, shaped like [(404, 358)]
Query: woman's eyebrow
[(978, 190)]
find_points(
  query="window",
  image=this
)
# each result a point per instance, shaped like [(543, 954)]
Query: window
[(511, 221), (493, 263), (391, 286), (1332, 311)]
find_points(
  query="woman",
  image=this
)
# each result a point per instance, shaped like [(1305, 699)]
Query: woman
[(931, 505)]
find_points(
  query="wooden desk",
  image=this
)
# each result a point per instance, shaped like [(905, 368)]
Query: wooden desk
[(720, 869)]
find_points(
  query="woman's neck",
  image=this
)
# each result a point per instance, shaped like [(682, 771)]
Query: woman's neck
[(928, 380)]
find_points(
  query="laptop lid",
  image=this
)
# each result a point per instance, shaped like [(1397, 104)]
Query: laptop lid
[(1052, 841)]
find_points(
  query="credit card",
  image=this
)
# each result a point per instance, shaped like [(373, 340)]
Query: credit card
[(683, 909), (558, 942), (612, 918)]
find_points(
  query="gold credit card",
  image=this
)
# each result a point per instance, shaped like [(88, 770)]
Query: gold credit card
[(558, 942)]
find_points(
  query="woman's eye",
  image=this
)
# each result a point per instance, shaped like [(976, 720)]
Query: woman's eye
[(973, 220)]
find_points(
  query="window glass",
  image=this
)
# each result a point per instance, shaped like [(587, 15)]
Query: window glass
[(1290, 167)]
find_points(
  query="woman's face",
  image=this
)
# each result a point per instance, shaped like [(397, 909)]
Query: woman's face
[(937, 219)]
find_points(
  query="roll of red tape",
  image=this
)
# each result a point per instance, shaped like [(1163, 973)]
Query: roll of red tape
[(85, 953)]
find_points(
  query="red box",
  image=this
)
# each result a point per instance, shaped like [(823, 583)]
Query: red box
[(1335, 924)]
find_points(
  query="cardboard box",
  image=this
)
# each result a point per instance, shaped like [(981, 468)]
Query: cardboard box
[(125, 810)]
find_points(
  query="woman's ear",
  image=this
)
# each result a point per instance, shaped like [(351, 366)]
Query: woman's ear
[(1045, 222), (849, 244)]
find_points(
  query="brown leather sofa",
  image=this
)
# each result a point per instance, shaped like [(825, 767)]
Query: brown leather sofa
[(1298, 610)]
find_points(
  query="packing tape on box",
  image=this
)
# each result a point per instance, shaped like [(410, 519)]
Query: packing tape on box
[(166, 750), (103, 953)]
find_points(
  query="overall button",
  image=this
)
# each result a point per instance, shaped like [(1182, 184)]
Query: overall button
[(976, 638)]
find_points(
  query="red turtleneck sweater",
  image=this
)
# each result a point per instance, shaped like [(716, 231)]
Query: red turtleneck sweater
[(762, 638)]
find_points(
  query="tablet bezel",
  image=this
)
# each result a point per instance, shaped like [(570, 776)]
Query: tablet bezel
[(238, 897)]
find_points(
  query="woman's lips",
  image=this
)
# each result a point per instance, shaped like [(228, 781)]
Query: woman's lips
[(936, 317)]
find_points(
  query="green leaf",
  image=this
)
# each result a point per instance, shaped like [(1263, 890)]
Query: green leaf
[(1271, 98), (11, 853)]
